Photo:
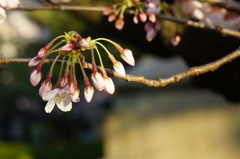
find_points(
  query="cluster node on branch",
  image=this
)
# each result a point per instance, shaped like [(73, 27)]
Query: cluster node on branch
[(72, 47)]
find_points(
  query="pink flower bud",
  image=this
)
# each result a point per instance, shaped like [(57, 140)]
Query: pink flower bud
[(64, 79), (119, 24), (88, 93), (127, 56), (67, 47), (112, 17), (9, 3), (35, 77), (84, 44), (118, 67), (75, 95), (135, 19), (71, 87), (34, 61), (142, 16), (45, 87), (42, 53), (152, 17), (150, 4), (98, 81), (109, 85), (176, 39), (108, 10), (3, 3), (151, 34)]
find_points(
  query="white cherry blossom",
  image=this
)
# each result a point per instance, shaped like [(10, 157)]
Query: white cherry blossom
[(60, 97)]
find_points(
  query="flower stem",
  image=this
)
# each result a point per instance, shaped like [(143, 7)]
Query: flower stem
[(81, 66), (61, 68), (104, 39), (109, 54), (52, 66), (101, 63)]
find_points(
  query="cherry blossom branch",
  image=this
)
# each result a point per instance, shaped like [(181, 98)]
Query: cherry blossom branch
[(200, 25), (160, 16), (161, 82), (63, 8), (228, 4)]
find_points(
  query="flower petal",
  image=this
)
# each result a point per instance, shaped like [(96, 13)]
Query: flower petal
[(50, 95), (65, 105), (98, 81), (88, 93), (35, 77), (127, 56), (49, 106), (34, 61), (109, 85), (118, 67)]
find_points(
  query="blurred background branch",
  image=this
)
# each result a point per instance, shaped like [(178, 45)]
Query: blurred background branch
[(187, 22), (230, 5)]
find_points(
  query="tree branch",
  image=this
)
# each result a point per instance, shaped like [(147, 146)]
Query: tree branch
[(160, 16), (230, 5), (161, 82), (200, 25)]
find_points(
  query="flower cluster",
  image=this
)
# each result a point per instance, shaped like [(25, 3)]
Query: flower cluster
[(6, 4), (143, 11), (71, 48), (210, 15)]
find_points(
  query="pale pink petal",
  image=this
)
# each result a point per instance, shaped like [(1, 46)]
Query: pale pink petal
[(65, 105), (176, 40), (198, 14), (67, 47), (75, 96), (68, 105), (109, 85), (112, 17), (98, 81), (108, 10), (35, 77), (34, 61), (135, 19), (51, 94), (12, 3), (142, 16), (187, 6), (3, 3), (45, 87), (84, 43), (152, 18), (49, 106), (71, 87), (42, 53), (119, 24), (118, 67), (151, 34), (88, 93), (127, 56)]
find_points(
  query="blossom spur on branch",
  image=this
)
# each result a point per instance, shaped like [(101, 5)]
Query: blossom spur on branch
[(145, 11), (72, 47)]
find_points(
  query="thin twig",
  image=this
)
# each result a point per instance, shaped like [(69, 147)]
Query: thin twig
[(161, 82)]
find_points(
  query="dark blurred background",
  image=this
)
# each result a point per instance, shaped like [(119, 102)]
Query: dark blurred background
[(121, 124)]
